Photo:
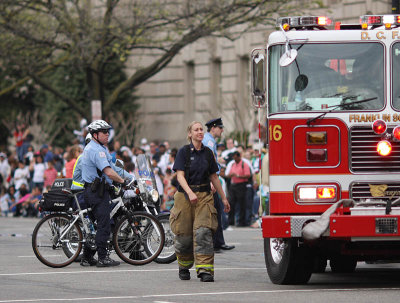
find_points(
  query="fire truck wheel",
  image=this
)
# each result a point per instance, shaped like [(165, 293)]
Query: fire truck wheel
[(342, 264), (287, 262)]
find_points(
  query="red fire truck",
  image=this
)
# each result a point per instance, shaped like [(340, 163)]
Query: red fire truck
[(332, 95)]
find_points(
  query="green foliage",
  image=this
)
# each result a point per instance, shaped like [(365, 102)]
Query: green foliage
[(14, 102), (71, 81), (242, 137)]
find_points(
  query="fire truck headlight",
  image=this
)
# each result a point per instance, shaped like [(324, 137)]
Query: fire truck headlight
[(306, 193), (384, 148)]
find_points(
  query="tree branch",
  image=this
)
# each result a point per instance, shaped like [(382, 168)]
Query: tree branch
[(62, 97)]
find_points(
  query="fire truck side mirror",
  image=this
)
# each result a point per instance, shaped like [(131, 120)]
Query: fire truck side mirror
[(258, 76)]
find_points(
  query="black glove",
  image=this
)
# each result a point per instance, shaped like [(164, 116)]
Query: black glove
[(117, 184), (125, 184)]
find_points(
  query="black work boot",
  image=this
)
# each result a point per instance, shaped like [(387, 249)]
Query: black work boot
[(106, 262), (184, 274), (206, 277), (88, 261)]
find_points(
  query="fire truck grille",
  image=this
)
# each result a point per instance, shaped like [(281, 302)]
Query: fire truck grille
[(363, 155), (361, 191), (386, 225)]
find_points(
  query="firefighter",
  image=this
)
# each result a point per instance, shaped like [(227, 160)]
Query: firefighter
[(193, 218)]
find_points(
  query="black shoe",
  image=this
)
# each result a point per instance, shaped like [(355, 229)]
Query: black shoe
[(227, 247), (206, 277), (88, 261), (107, 262), (217, 250), (184, 274)]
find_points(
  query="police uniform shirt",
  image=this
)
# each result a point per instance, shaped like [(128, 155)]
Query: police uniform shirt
[(77, 180), (200, 169), (95, 156), (210, 142)]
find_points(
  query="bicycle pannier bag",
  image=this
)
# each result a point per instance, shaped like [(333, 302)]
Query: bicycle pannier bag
[(55, 201)]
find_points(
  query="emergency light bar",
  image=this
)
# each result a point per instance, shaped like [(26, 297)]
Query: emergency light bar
[(306, 21), (380, 20)]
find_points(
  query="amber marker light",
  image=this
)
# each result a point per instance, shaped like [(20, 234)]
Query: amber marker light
[(286, 27), (384, 148), (364, 26), (316, 137), (326, 192), (388, 25), (379, 127), (396, 133)]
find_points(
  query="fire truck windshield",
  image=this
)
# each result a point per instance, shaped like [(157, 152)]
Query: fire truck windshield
[(327, 75), (396, 75)]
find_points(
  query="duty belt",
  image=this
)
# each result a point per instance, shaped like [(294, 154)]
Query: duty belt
[(107, 186), (197, 188)]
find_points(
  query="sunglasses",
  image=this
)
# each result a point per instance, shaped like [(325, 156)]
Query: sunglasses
[(105, 131)]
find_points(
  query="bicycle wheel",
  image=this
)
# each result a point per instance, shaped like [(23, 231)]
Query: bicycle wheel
[(69, 250), (134, 234), (167, 255), (47, 245)]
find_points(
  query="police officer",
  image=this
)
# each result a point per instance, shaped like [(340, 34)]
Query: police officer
[(193, 218), (98, 174), (215, 128)]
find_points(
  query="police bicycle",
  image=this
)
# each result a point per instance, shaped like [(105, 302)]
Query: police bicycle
[(57, 240)]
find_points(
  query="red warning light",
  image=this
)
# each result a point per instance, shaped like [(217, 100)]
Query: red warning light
[(379, 127), (396, 133)]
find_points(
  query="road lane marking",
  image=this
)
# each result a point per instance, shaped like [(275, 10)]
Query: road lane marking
[(204, 294), (118, 271)]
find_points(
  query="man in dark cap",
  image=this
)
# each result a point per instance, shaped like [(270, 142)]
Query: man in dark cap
[(214, 130)]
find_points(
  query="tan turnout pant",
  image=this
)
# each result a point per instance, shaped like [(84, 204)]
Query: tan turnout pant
[(194, 226)]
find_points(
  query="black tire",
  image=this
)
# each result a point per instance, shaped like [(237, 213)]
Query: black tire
[(167, 255), (342, 264), (47, 246), (287, 262), (142, 241)]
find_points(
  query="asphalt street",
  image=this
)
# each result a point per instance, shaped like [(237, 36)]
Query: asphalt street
[(240, 276)]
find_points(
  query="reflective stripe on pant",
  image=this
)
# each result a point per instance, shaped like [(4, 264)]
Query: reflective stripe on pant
[(193, 226)]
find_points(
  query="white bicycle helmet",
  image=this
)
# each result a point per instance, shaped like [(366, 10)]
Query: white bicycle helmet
[(97, 126)]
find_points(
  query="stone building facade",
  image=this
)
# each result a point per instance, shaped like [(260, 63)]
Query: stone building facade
[(211, 78)]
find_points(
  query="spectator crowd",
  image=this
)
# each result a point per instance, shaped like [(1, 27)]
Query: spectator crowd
[(26, 173)]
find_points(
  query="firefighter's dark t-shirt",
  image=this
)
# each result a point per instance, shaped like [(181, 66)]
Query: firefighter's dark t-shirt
[(200, 169)]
